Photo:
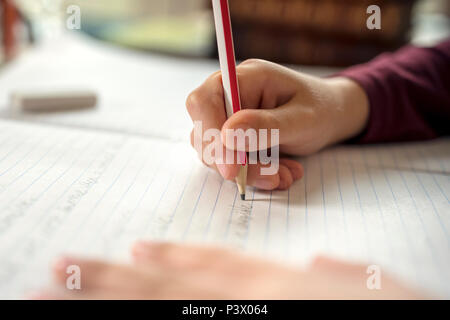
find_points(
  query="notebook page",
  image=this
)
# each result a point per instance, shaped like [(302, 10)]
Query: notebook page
[(93, 194)]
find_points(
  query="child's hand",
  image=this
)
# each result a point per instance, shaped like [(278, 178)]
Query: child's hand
[(311, 113), (170, 271)]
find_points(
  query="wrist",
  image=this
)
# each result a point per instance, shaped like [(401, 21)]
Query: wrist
[(350, 111)]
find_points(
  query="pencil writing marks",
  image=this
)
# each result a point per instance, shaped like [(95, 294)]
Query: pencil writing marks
[(241, 219), (97, 202), (14, 212), (243, 211)]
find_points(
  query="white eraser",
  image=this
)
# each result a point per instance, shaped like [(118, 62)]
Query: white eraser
[(53, 100)]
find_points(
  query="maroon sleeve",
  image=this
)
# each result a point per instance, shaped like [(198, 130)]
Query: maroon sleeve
[(409, 94)]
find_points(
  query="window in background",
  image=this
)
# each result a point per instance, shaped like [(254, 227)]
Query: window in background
[(170, 26), (45, 17), (431, 22)]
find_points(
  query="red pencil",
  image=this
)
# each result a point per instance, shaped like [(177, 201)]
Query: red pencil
[(229, 77)]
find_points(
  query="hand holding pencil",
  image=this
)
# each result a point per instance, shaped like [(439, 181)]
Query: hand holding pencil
[(229, 78), (310, 113)]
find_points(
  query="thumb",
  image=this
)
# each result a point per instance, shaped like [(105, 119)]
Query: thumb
[(274, 126)]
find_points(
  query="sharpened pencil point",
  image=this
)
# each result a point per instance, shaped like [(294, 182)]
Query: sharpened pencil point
[(241, 181)]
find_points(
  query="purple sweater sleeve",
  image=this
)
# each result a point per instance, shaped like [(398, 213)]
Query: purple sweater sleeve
[(408, 92)]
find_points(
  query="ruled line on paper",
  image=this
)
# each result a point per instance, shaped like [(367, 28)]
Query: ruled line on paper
[(247, 229), (288, 227), (155, 208), (338, 180), (36, 198), (429, 170), (11, 251), (22, 243), (211, 215), (119, 201), (379, 209), (172, 216), (20, 193), (438, 217), (75, 197), (75, 234), (269, 214), (100, 194), (183, 237), (230, 216), (324, 207), (305, 178), (361, 210), (424, 227), (18, 160), (399, 215), (412, 198)]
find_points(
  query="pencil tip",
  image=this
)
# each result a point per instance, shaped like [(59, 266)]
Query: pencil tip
[(242, 196)]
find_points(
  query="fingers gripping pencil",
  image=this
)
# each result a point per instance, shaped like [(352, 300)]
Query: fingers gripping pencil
[(229, 77)]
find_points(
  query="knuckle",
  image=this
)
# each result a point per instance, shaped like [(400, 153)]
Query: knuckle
[(216, 77), (255, 67), (200, 99), (249, 118), (258, 119), (193, 101), (253, 62), (269, 121)]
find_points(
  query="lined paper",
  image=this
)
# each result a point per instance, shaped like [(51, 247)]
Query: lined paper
[(93, 194)]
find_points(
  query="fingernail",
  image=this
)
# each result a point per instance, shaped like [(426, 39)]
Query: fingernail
[(223, 170), (264, 183), (283, 185), (297, 173)]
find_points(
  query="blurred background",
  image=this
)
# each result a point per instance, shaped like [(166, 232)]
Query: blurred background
[(306, 32)]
